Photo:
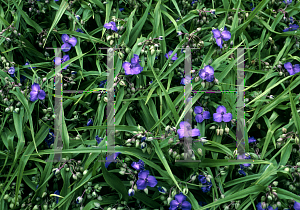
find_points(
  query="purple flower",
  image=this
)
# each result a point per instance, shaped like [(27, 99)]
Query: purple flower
[(185, 81), (27, 63), (90, 122), (102, 83), (225, 35), (58, 61), (98, 139), (162, 190), (167, 55), (133, 67), (68, 42), (143, 139), (242, 172), (79, 30), (207, 73), (131, 192), (244, 157), (221, 115), (296, 206), (138, 165), (202, 203), (251, 140), (186, 130), (180, 202), (200, 114), (287, 2), (291, 19), (11, 71), (253, 9), (110, 157), (206, 188), (145, 180), (121, 9), (193, 2), (50, 138), (36, 93), (111, 25), (37, 187), (77, 17), (292, 70), (202, 179), (56, 193), (292, 27)]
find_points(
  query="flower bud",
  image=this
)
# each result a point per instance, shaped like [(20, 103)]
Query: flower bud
[(221, 131), (185, 191), (203, 84), (284, 130), (218, 131), (169, 199), (74, 177), (111, 42), (263, 205), (199, 150), (146, 190), (105, 99)]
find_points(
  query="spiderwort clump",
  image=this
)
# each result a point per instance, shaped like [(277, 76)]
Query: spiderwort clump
[(180, 202), (145, 180), (167, 55), (292, 70), (207, 73), (139, 166), (36, 93), (133, 67), (221, 115), (56, 193), (200, 114), (115, 155), (186, 130), (220, 37), (111, 25), (292, 27), (68, 42)]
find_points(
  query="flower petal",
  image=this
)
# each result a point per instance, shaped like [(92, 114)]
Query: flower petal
[(227, 117), (198, 110), (184, 124), (206, 115), (186, 205), (135, 59), (219, 42), (65, 47), (208, 69), (152, 182), (216, 33), (135, 70), (126, 66), (210, 78), (180, 133), (143, 174), (35, 87), (141, 184), (195, 132), (296, 68), (226, 35), (65, 58), (73, 41), (33, 96), (180, 197), (221, 109), (199, 118), (217, 117), (202, 74), (42, 95), (65, 38), (289, 67), (173, 205)]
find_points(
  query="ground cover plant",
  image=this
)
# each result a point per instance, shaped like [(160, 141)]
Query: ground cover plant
[(226, 165)]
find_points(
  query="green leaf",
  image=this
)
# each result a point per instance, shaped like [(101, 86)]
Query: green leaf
[(146, 200)]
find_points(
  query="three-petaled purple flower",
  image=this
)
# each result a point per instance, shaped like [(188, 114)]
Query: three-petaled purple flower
[(186, 130), (98, 139), (59, 61), (287, 2), (207, 73), (292, 27), (11, 71), (114, 156), (138, 165), (134, 67), (296, 205), (145, 180), (207, 185), (185, 81), (201, 115), (221, 115), (36, 93), (292, 70), (167, 55), (68, 42), (180, 202), (111, 25), (56, 193), (225, 35)]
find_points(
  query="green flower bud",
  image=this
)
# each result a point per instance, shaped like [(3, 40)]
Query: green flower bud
[(221, 131), (97, 205), (227, 130), (199, 150), (146, 190), (36, 207), (17, 110), (105, 99), (111, 42), (284, 130), (185, 191), (6, 197), (218, 131), (45, 207)]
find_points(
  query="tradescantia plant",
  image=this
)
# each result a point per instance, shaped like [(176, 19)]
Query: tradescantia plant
[(141, 139)]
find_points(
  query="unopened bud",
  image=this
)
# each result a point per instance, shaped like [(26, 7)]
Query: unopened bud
[(221, 131), (218, 131), (284, 130)]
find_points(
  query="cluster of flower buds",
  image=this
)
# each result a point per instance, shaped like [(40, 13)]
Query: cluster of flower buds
[(9, 196), (41, 37)]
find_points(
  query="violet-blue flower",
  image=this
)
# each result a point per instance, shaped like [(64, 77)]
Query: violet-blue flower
[(90, 122), (27, 63), (56, 193), (11, 71), (133, 67), (111, 25), (185, 81), (242, 172), (292, 69), (138, 165), (296, 205), (221, 115), (207, 73), (206, 188), (115, 155), (251, 140), (287, 2), (202, 179), (98, 139), (180, 203), (186, 130), (59, 61), (167, 55), (121, 9), (201, 115), (244, 157), (220, 37), (162, 190), (102, 83), (49, 138), (79, 30), (36, 93), (145, 180), (253, 9), (68, 42), (292, 27)]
